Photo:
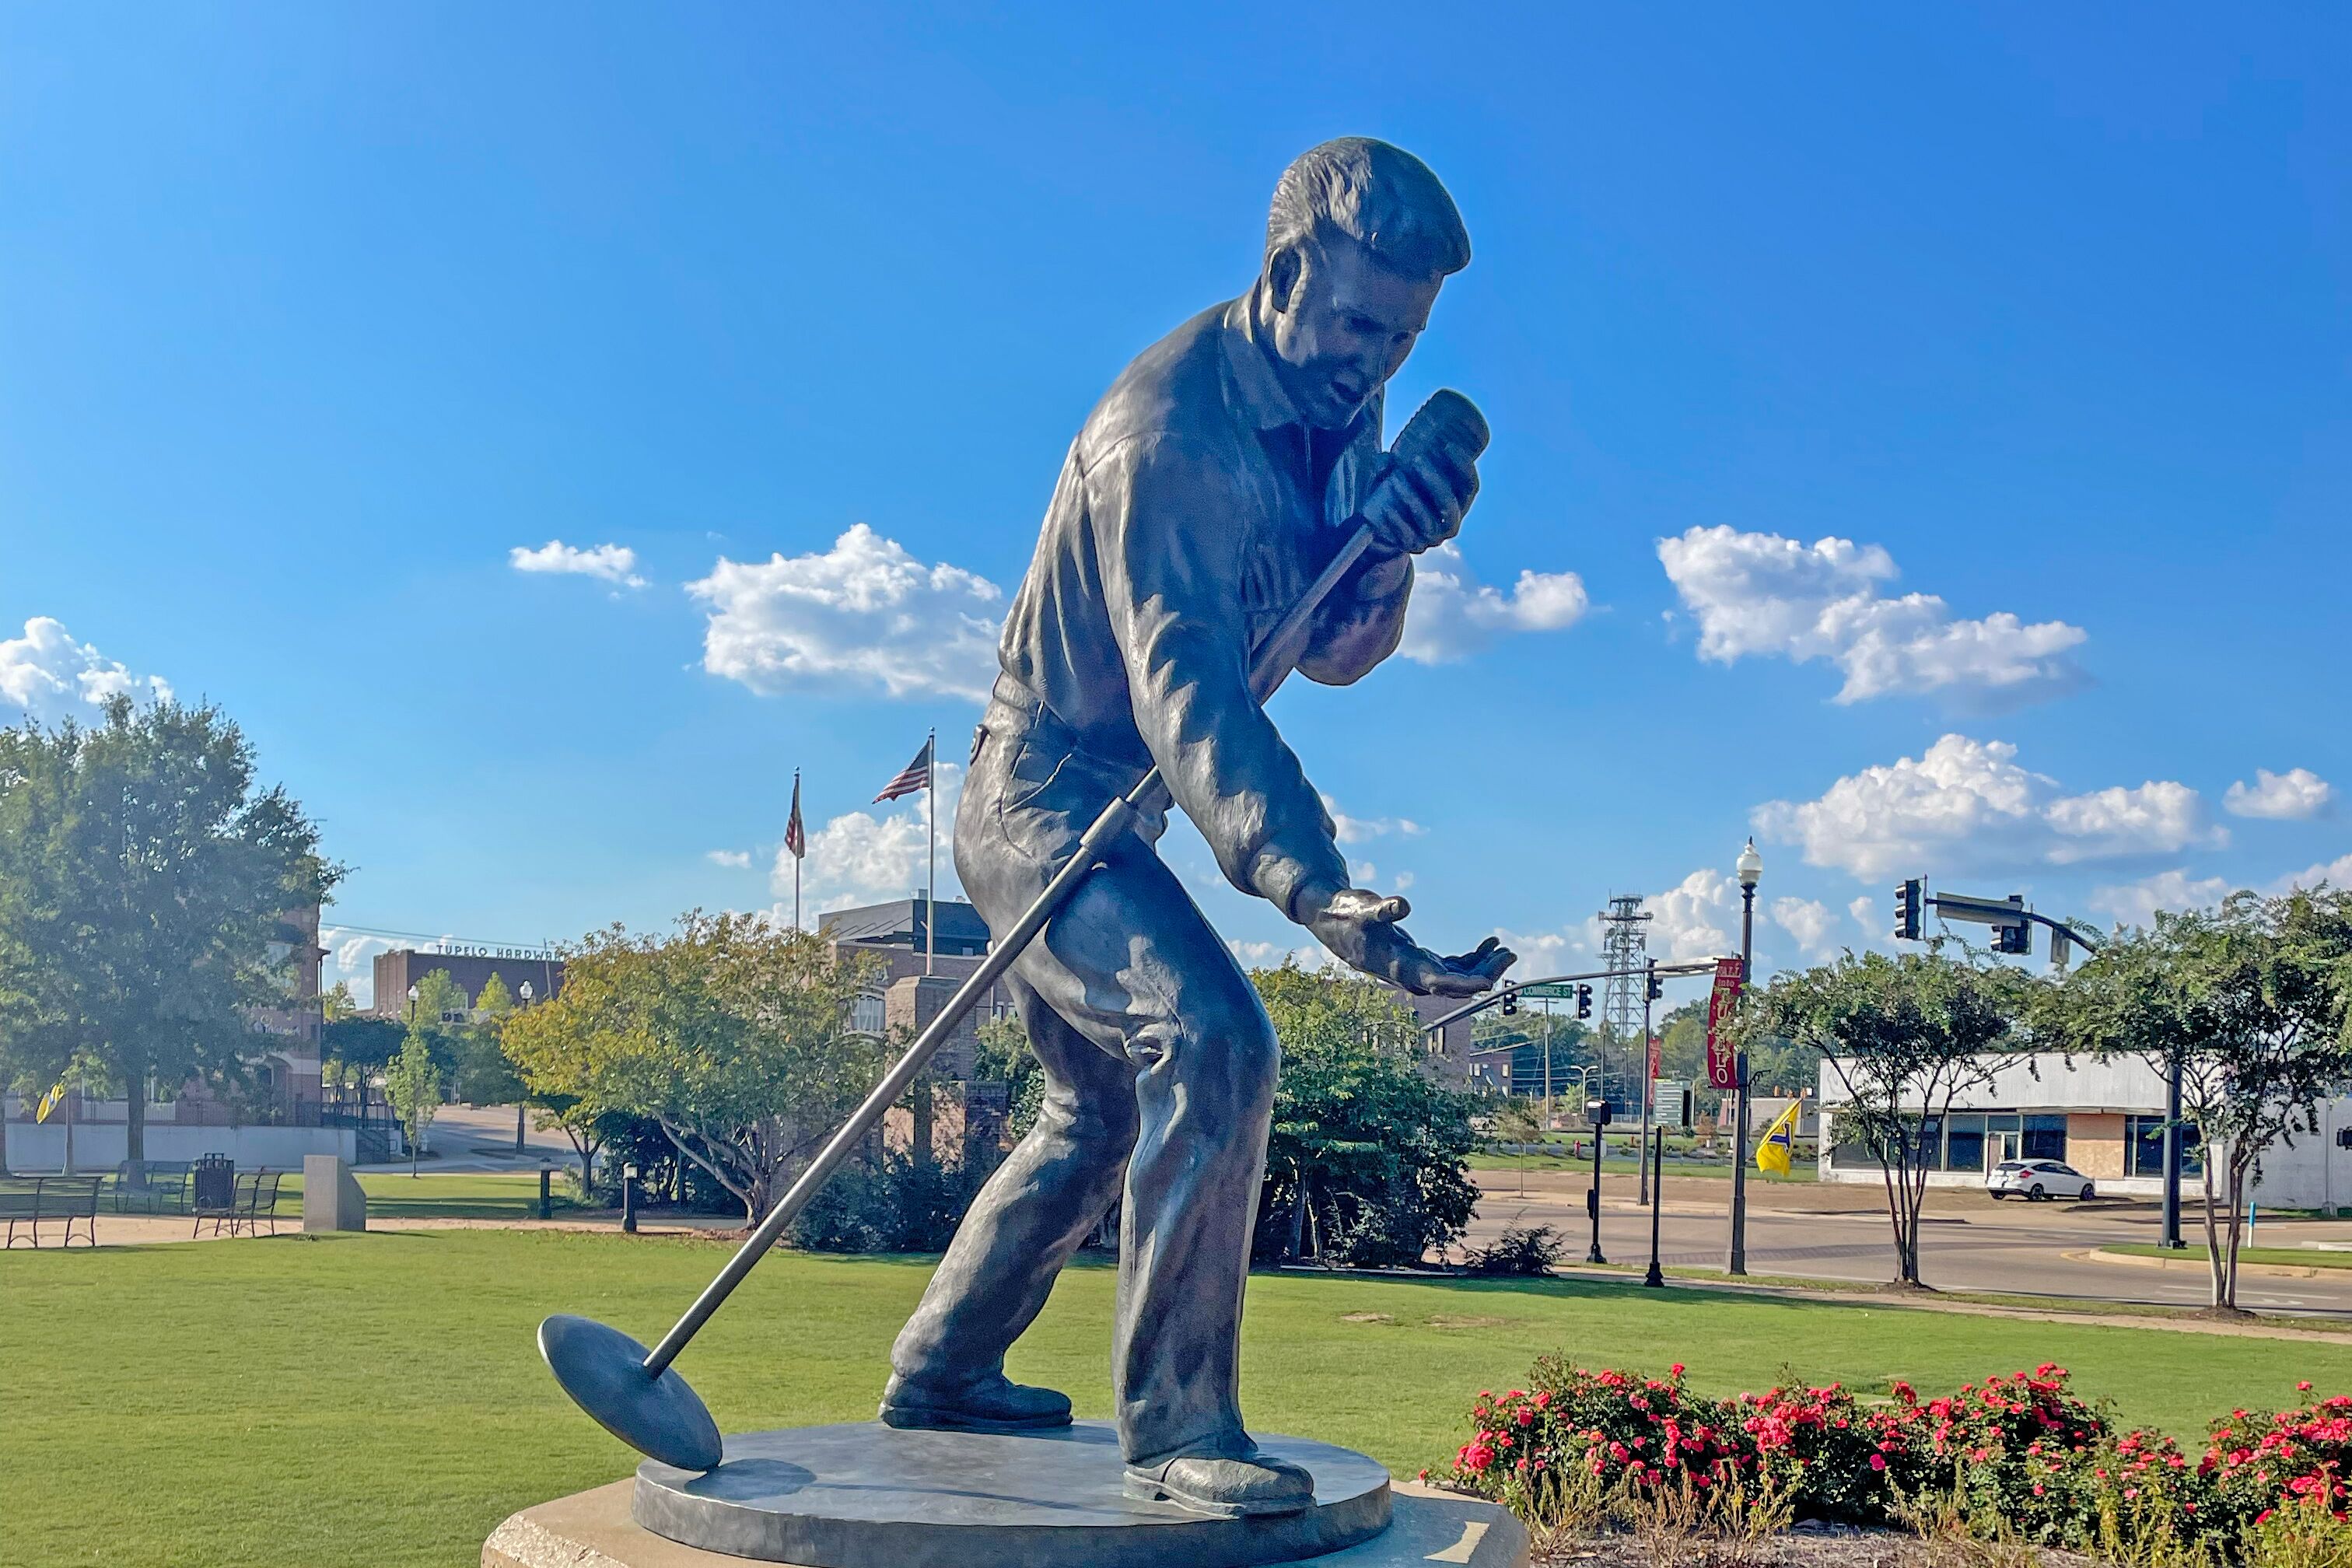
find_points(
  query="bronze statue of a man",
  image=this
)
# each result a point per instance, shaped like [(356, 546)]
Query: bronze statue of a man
[(1211, 484)]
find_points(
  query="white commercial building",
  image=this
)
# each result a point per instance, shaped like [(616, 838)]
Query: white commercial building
[(2104, 1119)]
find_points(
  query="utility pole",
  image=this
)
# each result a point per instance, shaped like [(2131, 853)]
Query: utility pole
[(1546, 1040), (2171, 1239), (1751, 872)]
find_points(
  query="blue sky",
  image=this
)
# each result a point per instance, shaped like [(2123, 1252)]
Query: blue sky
[(311, 317)]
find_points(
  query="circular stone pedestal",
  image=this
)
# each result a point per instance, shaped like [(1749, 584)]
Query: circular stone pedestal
[(870, 1496)]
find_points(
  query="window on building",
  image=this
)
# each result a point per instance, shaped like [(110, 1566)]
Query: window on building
[(2045, 1138), (1927, 1142), (866, 1014), (2145, 1137), (1964, 1140)]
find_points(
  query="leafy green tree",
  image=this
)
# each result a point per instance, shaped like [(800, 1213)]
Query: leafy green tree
[(1003, 1056), (2254, 1000), (733, 1033), (485, 1076), (1905, 1035), (412, 1084), (355, 1050), (336, 1003), (1366, 1160), (143, 877)]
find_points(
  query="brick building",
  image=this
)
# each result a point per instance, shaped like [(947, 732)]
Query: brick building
[(469, 967)]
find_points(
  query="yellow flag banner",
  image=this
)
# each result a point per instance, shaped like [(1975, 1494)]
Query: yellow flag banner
[(50, 1101), (1772, 1154)]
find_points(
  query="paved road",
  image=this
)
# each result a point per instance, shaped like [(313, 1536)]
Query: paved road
[(1969, 1242), (482, 1137)]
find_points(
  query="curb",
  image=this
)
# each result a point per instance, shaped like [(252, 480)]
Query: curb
[(2259, 1270)]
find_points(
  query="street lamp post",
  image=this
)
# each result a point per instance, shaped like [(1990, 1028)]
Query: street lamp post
[(1751, 866), (525, 992)]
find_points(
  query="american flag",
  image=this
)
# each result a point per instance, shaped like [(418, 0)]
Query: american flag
[(915, 775), (795, 836)]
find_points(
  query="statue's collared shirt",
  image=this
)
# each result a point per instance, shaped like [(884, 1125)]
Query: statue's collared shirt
[(1193, 511)]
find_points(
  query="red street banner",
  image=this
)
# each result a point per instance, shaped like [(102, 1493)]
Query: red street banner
[(1658, 1055), (1722, 1061)]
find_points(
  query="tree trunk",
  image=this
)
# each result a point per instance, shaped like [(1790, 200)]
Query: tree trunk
[(1297, 1214), (2235, 1233), (3, 1134), (134, 1124), (519, 1109), (1887, 1179), (2212, 1233)]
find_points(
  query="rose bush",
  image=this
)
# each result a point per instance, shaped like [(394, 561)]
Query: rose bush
[(2018, 1455)]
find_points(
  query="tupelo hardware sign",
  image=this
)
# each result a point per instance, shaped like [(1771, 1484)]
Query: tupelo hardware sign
[(480, 950)]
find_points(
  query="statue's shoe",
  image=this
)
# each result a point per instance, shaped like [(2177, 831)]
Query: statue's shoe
[(1230, 1487), (992, 1403)]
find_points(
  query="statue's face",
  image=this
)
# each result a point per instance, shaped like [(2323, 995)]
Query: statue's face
[(1342, 325)]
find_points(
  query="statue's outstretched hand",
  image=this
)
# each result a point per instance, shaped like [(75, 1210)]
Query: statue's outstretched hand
[(1360, 928)]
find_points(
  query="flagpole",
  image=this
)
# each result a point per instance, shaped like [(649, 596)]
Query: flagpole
[(931, 820), (796, 859)]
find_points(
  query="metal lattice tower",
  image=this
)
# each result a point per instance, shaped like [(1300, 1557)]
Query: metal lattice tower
[(1625, 947)]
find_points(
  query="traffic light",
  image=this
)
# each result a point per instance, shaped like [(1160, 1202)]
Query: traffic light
[(1908, 899), (1584, 1001), (2062, 947), (1657, 987), (1510, 1004), (2012, 939)]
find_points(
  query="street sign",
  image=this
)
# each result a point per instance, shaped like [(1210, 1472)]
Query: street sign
[(1722, 1061), (1555, 990)]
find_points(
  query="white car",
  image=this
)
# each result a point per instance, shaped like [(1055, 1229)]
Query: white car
[(2038, 1180)]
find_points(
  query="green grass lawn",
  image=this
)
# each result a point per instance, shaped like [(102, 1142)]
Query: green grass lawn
[(278, 1400), (432, 1195), (2300, 1257)]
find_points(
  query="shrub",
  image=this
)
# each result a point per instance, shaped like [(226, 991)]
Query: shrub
[(2257, 1464), (1823, 1454), (1521, 1252), (2017, 1458), (890, 1205), (2011, 1449), (1576, 1434)]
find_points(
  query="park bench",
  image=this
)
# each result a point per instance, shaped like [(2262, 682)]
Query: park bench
[(158, 1187), (31, 1201), (253, 1201)]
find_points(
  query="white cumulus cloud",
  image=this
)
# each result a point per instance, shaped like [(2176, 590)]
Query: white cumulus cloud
[(2297, 795), (1762, 595), (2335, 873), (614, 563), (1451, 615), (351, 959), (859, 858), (1361, 830), (862, 614), (1965, 805), (46, 676), (733, 859), (1274, 954), (1697, 918), (1810, 922), (2135, 903)]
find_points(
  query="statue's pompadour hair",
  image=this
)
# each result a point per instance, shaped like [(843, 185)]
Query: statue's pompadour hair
[(1380, 196)]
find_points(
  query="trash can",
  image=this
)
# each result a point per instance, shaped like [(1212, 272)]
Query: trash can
[(216, 1177)]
